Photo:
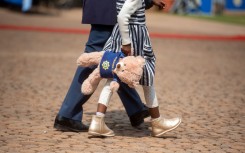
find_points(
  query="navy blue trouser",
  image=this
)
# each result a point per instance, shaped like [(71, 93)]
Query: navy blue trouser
[(72, 105)]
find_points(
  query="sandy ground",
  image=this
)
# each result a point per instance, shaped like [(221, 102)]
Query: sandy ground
[(201, 80)]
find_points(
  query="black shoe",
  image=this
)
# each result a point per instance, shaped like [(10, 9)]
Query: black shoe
[(68, 125), (138, 118)]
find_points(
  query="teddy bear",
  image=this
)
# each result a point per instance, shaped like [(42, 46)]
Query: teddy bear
[(115, 65)]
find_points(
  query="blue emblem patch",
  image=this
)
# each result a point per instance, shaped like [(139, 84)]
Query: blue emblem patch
[(108, 63)]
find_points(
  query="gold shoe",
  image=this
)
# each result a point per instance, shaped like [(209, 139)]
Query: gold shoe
[(99, 128), (161, 125)]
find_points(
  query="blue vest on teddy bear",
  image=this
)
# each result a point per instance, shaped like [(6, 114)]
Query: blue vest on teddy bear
[(108, 64)]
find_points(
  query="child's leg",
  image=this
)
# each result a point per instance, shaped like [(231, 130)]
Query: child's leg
[(98, 126), (159, 124), (151, 101), (105, 97)]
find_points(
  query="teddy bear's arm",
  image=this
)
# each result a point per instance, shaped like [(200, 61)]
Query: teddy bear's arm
[(89, 59), (114, 85), (91, 83)]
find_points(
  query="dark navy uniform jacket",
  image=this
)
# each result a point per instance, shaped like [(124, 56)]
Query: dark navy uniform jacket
[(102, 11)]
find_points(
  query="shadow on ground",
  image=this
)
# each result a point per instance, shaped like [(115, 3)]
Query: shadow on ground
[(119, 122)]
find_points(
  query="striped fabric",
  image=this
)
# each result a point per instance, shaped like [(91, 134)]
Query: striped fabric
[(140, 41), (138, 17)]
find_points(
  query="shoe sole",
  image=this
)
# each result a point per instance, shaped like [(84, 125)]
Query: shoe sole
[(98, 134), (67, 129), (162, 133)]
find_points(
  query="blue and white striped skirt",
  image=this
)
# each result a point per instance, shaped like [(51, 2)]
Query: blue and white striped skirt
[(142, 47)]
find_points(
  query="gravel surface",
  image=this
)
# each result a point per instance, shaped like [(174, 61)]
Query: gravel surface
[(200, 80)]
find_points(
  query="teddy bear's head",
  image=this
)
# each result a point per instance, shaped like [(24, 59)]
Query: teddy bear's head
[(129, 70)]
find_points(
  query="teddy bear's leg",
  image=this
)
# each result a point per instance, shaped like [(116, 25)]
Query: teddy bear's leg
[(114, 86), (89, 59), (91, 83)]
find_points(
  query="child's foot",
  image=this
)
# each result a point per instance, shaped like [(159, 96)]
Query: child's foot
[(99, 128), (161, 125)]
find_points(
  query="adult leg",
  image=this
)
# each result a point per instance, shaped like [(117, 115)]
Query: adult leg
[(70, 114)]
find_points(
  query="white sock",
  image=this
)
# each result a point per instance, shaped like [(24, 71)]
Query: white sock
[(153, 119), (99, 114)]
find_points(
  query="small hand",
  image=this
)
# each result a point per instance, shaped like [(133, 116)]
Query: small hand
[(126, 49), (160, 3)]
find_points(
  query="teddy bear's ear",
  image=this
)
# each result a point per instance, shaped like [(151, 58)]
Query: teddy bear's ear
[(140, 60), (118, 66)]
